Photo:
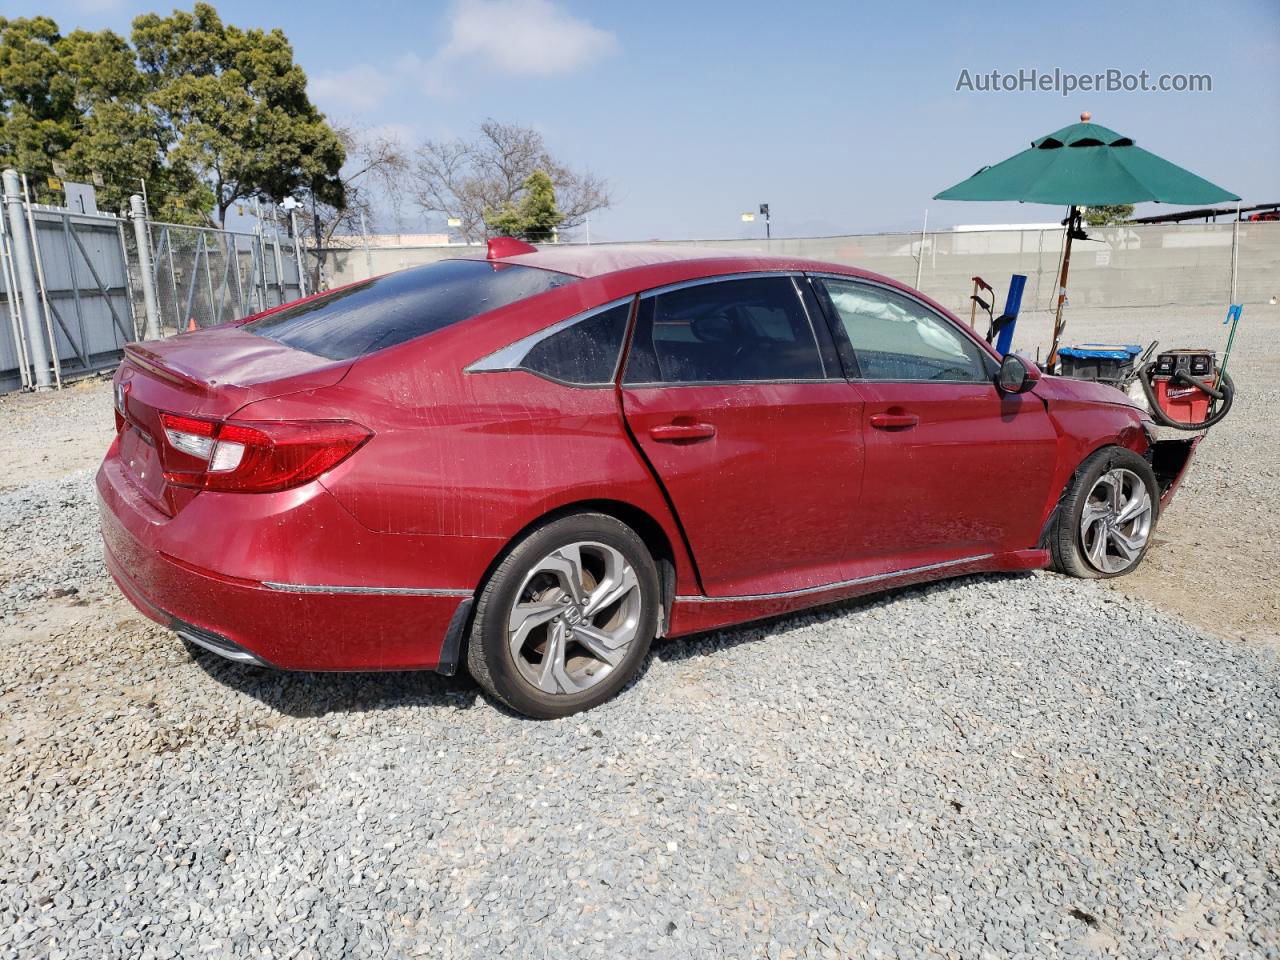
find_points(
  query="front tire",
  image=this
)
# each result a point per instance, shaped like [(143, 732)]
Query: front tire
[(1105, 522), (567, 617)]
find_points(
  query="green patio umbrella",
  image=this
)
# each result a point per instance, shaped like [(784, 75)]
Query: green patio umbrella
[(1084, 165)]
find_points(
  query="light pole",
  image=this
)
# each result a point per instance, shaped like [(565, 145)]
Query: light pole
[(291, 205)]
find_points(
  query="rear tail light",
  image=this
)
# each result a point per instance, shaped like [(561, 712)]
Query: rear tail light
[(120, 392), (256, 458)]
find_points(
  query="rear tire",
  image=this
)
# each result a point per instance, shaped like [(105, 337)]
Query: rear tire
[(566, 618), (1105, 521)]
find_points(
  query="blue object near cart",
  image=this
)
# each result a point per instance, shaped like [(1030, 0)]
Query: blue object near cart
[(1003, 327), (1106, 362)]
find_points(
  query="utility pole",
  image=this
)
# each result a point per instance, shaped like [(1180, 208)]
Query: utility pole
[(138, 212)]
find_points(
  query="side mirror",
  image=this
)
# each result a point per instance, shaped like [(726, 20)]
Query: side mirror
[(1017, 374)]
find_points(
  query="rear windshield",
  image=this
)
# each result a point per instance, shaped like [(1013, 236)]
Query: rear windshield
[(384, 311)]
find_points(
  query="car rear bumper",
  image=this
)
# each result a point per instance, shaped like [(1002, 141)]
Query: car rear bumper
[(273, 623)]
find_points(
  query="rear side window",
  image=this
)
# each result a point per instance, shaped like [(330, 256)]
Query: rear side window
[(728, 331), (585, 352), (384, 311)]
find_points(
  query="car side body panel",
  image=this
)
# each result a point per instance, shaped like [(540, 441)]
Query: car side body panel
[(372, 565)]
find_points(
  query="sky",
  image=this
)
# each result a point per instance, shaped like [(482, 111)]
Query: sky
[(844, 117)]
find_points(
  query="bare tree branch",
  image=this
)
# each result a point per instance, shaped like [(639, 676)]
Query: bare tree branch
[(467, 179), (375, 169)]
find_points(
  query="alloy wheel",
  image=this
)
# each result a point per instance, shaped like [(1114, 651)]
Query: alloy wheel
[(574, 618), (1116, 521)]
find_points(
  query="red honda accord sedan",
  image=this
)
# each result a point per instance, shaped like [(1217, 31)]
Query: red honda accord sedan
[(537, 462)]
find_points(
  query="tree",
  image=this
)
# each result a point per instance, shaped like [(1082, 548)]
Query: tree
[(1106, 215), (207, 114), (77, 101), (535, 217), (468, 179), (237, 108)]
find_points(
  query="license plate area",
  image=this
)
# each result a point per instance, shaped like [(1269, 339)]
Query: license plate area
[(142, 464)]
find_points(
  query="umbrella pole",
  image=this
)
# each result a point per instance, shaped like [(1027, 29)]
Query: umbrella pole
[(1073, 213)]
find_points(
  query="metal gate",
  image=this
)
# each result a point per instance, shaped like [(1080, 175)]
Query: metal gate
[(75, 288), (84, 299)]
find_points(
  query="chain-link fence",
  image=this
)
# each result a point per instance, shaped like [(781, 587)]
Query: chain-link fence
[(205, 277)]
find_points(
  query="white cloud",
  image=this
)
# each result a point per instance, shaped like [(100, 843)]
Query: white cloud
[(524, 37), (362, 87)]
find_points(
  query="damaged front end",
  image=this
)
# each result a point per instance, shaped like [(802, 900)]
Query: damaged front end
[(1169, 453)]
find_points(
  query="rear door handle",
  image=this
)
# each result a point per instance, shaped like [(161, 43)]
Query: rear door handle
[(894, 421), (676, 432)]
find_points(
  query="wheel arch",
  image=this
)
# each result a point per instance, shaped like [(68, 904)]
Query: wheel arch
[(1133, 441), (647, 527), (1075, 448)]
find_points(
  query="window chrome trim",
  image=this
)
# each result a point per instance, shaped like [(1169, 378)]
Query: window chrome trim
[(965, 332), (800, 381), (391, 591), (508, 358), (794, 276), (813, 331), (719, 278), (857, 581)]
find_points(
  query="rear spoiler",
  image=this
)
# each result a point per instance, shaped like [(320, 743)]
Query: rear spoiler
[(150, 362)]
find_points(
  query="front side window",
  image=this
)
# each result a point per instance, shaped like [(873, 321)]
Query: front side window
[(728, 331), (895, 338), (391, 309)]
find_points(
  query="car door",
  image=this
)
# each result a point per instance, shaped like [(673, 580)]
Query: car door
[(954, 468), (734, 394)]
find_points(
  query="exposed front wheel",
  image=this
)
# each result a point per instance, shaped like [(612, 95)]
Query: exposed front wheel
[(1105, 521), (566, 618)]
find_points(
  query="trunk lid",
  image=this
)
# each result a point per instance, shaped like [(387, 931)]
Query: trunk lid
[(208, 374)]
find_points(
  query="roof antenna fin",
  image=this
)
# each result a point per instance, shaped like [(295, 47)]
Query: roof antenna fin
[(502, 247)]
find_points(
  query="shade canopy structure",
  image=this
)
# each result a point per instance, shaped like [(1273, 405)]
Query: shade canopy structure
[(1085, 165)]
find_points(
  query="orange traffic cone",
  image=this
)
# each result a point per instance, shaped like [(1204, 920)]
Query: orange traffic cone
[(191, 324)]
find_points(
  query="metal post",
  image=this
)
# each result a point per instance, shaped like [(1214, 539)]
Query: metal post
[(38, 258), (151, 303), (1073, 223), (368, 254), (1235, 252), (241, 310), (208, 278), (11, 307), (920, 259), (173, 282), (281, 292), (128, 277), (36, 345), (297, 251), (75, 290)]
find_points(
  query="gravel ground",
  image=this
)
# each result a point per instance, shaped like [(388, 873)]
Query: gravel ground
[(991, 767), (1215, 559)]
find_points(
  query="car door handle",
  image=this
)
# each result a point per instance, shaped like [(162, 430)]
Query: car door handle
[(677, 432), (894, 421)]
